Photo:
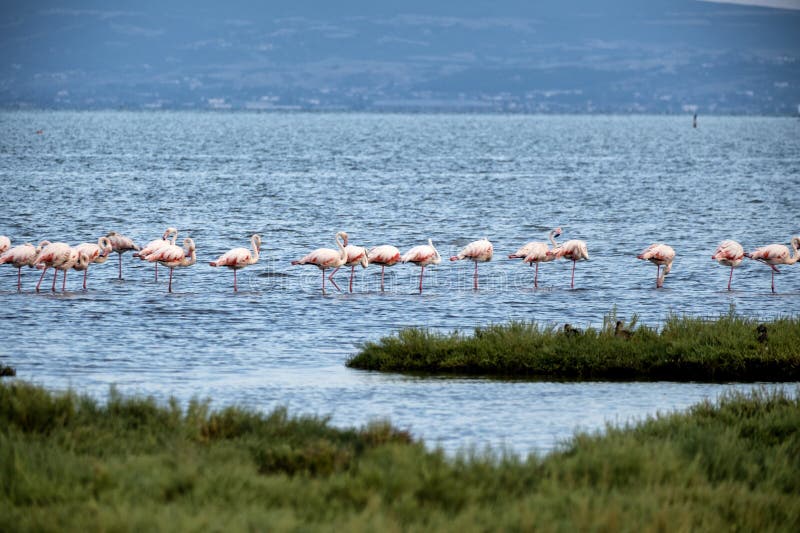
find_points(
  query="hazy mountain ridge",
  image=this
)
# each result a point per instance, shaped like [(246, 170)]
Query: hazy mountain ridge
[(658, 56)]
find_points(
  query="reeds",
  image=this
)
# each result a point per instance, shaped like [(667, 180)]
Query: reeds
[(68, 463), (729, 348)]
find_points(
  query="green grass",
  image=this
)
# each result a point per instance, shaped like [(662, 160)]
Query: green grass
[(68, 463), (684, 349)]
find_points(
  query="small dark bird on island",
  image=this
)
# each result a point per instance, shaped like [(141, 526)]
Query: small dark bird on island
[(569, 331), (761, 331), (7, 371), (620, 332)]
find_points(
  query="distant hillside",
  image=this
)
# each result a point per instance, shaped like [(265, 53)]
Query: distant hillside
[(659, 56)]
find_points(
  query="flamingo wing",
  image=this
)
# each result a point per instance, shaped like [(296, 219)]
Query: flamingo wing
[(19, 256), (384, 255), (537, 252), (237, 257)]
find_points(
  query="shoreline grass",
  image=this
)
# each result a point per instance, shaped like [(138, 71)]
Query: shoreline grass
[(68, 463), (730, 348)]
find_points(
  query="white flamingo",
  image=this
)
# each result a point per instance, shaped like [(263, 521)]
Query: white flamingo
[(95, 253), (238, 258), (173, 256), (325, 258), (156, 245), (120, 244), (478, 251), (60, 256), (422, 256), (776, 254), (20, 256), (356, 255), (573, 250), (729, 253), (536, 252), (660, 255), (384, 255)]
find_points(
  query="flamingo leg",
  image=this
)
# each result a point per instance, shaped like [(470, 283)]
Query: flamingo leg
[(383, 267), (120, 266), (55, 277), (658, 276), (773, 282), (85, 273), (572, 283), (64, 281), (475, 277), (234, 280), (44, 270), (170, 279), (536, 276), (335, 270), (156, 271), (730, 279), (421, 272), (323, 281), (352, 273), (19, 279)]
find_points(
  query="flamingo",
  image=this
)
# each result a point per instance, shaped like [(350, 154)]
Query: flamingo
[(324, 258), (239, 258), (96, 253), (776, 254), (356, 255), (20, 256), (5, 243), (384, 255), (536, 252), (422, 255), (729, 253), (174, 256), (477, 251), (120, 244), (660, 255), (60, 256), (157, 244), (574, 250)]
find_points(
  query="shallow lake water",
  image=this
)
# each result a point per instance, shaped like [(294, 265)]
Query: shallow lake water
[(619, 183)]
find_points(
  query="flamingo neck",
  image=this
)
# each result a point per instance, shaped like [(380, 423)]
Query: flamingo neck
[(254, 258), (795, 256), (553, 238), (342, 250), (435, 251)]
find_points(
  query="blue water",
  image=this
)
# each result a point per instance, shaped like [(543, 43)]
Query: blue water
[(619, 183)]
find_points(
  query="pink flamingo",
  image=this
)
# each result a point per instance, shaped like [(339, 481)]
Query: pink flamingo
[(573, 250), (325, 258), (96, 253), (20, 256), (60, 256), (239, 258), (356, 255), (660, 255), (384, 255), (422, 256), (157, 244), (776, 254), (478, 251), (5, 243), (174, 256), (120, 244), (536, 252), (729, 253)]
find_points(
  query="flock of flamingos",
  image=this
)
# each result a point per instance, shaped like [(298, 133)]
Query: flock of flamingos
[(63, 257)]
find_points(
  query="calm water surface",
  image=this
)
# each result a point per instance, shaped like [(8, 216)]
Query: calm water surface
[(620, 183)]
